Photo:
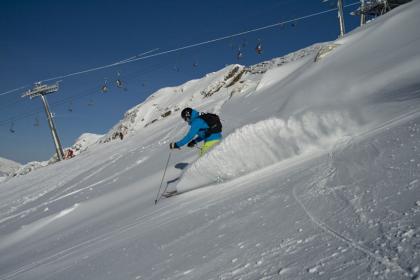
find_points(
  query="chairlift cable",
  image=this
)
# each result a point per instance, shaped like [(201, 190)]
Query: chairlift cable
[(13, 90), (163, 53), (238, 34), (144, 56), (83, 72)]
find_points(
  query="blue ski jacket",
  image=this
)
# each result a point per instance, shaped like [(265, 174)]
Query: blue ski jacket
[(197, 131)]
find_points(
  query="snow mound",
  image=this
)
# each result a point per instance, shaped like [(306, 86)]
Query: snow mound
[(272, 76), (164, 103), (84, 141), (29, 167), (264, 143), (7, 167)]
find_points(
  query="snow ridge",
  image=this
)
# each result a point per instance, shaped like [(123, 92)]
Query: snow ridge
[(7, 167), (264, 143)]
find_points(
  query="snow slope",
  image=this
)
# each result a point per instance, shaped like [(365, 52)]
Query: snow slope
[(317, 177)]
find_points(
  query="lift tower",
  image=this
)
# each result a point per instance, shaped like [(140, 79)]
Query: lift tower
[(42, 90), (362, 14), (341, 17)]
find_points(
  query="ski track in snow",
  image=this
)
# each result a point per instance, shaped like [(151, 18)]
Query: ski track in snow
[(145, 220), (330, 171), (63, 193), (59, 196), (354, 244), (28, 230)]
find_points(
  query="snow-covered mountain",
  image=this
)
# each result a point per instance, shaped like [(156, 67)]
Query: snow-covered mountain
[(317, 177), (84, 141), (7, 167), (80, 145), (231, 80)]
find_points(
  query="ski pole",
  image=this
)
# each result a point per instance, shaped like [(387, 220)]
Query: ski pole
[(164, 172)]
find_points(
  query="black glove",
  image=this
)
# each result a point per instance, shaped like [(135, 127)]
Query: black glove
[(173, 146), (192, 144)]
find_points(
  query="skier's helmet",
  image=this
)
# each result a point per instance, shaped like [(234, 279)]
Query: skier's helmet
[(186, 114)]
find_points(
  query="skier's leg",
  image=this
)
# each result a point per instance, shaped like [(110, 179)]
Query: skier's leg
[(207, 146)]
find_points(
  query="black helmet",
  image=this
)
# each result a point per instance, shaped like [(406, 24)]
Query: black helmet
[(186, 114)]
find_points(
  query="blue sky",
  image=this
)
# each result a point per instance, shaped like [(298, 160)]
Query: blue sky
[(49, 38)]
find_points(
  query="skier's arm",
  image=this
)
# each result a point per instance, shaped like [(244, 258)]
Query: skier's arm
[(198, 139), (193, 142), (190, 135)]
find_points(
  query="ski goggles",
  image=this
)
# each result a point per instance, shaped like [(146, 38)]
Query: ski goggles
[(187, 117)]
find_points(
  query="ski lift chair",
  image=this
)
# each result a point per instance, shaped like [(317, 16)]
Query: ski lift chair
[(119, 83), (70, 108), (239, 55), (104, 88), (11, 129), (258, 48)]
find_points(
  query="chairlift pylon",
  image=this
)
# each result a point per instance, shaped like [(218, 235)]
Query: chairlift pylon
[(377, 8)]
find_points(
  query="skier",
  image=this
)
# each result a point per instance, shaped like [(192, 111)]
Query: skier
[(69, 154), (203, 127)]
